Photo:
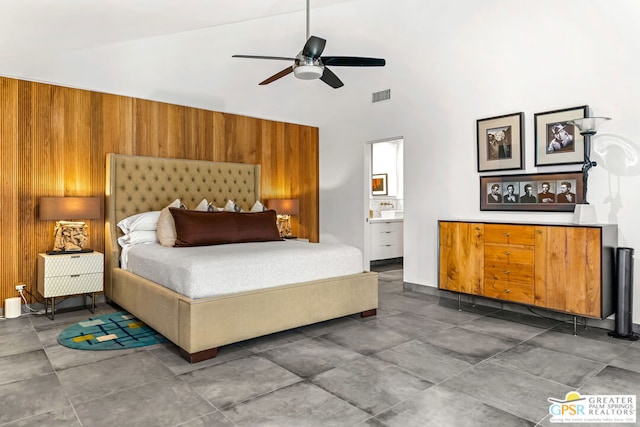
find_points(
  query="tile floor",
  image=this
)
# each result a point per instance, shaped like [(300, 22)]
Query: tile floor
[(420, 362)]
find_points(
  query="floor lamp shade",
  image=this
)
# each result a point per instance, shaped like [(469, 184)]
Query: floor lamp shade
[(70, 236)]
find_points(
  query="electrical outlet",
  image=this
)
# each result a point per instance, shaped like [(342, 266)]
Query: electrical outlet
[(20, 287)]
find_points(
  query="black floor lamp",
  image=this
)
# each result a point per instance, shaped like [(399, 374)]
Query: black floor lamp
[(585, 213)]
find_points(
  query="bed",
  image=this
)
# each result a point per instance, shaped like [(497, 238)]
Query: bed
[(199, 326)]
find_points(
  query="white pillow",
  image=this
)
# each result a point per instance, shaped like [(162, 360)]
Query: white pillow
[(166, 227), (258, 207), (145, 221), (138, 237), (206, 206), (202, 206), (231, 206)]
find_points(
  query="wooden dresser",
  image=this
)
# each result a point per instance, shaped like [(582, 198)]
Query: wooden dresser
[(567, 268)]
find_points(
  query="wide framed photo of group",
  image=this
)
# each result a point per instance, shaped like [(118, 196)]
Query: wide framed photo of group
[(553, 192), (558, 141), (500, 142)]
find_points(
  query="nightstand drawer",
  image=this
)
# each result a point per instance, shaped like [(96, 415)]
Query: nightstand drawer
[(71, 285), (63, 265)]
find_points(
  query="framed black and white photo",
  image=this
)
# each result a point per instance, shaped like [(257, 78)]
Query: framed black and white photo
[(552, 192), (500, 142), (557, 141), (379, 184)]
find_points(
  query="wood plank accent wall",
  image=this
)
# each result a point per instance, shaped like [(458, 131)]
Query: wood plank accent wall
[(54, 142)]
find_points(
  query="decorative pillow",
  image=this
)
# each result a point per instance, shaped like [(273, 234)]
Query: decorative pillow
[(138, 237), (202, 206), (145, 221), (196, 228), (166, 229), (231, 206), (258, 207)]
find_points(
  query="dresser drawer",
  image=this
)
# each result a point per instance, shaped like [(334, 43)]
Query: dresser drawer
[(509, 291), (514, 273), (508, 254), (71, 285), (63, 265), (509, 234)]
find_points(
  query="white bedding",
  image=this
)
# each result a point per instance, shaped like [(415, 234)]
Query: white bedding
[(199, 272)]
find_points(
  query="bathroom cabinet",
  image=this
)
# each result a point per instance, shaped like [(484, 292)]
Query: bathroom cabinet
[(386, 239)]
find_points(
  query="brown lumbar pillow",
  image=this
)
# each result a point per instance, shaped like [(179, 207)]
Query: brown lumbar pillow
[(198, 228)]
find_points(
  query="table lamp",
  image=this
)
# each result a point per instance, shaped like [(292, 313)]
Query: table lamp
[(70, 236), (284, 209)]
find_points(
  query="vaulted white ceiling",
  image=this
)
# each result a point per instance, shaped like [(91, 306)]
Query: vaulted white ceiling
[(180, 51), (36, 27)]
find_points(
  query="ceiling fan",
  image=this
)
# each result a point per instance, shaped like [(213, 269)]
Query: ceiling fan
[(310, 65)]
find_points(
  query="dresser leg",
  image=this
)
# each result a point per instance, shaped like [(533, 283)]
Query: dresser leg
[(575, 326), (459, 302), (53, 307)]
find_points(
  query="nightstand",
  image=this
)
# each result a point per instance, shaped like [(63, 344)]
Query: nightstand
[(70, 274)]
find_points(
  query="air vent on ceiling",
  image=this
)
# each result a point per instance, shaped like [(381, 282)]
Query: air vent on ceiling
[(383, 95)]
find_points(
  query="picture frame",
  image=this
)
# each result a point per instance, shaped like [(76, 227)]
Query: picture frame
[(379, 184), (526, 192), (556, 141), (500, 142)]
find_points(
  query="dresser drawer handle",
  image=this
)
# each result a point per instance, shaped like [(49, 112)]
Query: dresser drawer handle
[(506, 291), (507, 272), (388, 245), (74, 256), (507, 253), (477, 228), (506, 234), (75, 275)]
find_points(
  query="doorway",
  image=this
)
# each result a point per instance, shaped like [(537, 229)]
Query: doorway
[(384, 202)]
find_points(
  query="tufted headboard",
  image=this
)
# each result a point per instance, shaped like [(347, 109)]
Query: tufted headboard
[(137, 184)]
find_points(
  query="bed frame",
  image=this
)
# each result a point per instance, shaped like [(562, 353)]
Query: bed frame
[(199, 326)]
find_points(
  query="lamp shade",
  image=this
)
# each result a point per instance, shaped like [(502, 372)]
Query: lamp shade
[(284, 206), (588, 125), (60, 208)]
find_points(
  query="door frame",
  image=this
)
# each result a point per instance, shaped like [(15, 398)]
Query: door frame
[(367, 147)]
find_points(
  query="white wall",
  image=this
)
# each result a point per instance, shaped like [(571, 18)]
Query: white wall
[(453, 62), (449, 63)]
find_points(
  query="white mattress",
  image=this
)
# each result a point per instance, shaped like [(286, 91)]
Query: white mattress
[(204, 271)]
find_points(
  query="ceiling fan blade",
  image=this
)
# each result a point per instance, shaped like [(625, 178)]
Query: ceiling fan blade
[(313, 47), (277, 76), (331, 79), (281, 58), (352, 61)]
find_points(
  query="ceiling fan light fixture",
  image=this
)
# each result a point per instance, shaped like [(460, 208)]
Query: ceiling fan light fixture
[(308, 72)]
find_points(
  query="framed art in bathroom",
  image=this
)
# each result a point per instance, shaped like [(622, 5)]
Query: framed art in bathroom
[(379, 184)]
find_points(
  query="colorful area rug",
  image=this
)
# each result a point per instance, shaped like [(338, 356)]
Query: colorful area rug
[(114, 331)]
